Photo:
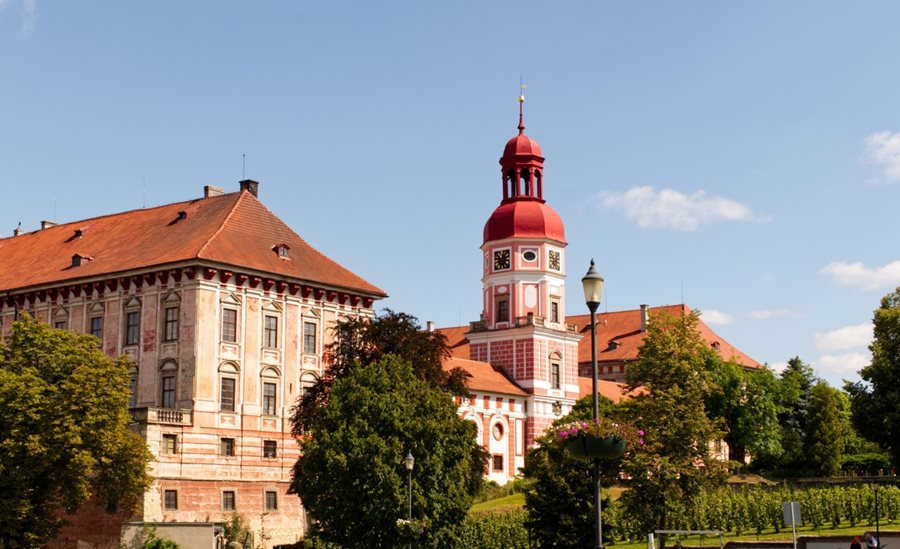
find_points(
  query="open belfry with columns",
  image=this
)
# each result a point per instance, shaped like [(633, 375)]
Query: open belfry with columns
[(224, 312)]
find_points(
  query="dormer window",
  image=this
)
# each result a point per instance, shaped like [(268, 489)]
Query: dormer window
[(76, 260), (182, 215), (613, 345), (77, 234), (283, 251), (715, 345)]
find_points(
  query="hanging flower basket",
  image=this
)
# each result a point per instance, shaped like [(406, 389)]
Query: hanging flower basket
[(411, 529), (601, 439), (590, 446)]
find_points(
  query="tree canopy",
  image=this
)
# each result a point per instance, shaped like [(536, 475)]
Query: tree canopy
[(63, 431), (351, 475), (359, 340), (875, 401), (675, 464)]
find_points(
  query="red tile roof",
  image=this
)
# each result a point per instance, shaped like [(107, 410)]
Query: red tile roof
[(484, 377), (229, 230), (623, 327), (612, 390)]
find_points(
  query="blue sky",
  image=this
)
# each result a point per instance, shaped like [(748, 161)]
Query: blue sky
[(742, 156)]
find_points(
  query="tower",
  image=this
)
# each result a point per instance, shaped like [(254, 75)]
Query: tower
[(522, 328)]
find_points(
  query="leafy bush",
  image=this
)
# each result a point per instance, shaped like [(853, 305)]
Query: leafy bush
[(494, 530)]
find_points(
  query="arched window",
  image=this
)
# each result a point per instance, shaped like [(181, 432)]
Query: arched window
[(526, 182), (168, 376), (307, 380), (511, 179), (228, 386), (538, 184)]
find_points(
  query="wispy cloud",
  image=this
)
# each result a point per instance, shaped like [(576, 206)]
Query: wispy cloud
[(883, 149), (842, 339), (841, 365), (670, 209), (766, 314), (28, 12), (712, 316), (778, 367), (859, 276)]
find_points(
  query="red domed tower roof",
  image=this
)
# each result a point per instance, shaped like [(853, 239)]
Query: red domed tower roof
[(523, 211)]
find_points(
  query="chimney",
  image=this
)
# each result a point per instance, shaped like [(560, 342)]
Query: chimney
[(18, 230), (251, 186), (212, 190), (430, 325), (645, 316), (47, 224)]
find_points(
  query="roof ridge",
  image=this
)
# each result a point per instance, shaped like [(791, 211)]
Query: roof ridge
[(224, 222)]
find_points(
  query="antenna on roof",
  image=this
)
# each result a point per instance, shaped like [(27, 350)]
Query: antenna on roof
[(243, 166)]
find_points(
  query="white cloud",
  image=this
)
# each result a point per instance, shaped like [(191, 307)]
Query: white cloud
[(778, 367), (766, 314), (712, 316), (859, 276), (883, 148), (843, 364), (670, 209), (842, 339)]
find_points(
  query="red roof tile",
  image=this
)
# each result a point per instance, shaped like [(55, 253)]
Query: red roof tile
[(232, 230), (484, 377), (622, 327), (612, 390)]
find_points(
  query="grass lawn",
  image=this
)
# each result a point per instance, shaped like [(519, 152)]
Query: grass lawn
[(514, 500)]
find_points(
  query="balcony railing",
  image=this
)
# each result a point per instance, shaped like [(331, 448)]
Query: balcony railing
[(169, 416), (520, 322)]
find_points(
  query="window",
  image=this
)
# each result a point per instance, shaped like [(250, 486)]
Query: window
[(97, 327), (269, 400), (228, 500), (227, 447), (171, 499), (60, 324), (168, 389), (554, 309), (171, 328), (554, 375), (170, 444), (270, 335), (132, 327), (226, 396), (132, 388), (270, 449), (229, 325), (497, 431), (307, 381), (309, 337), (503, 310), (497, 462), (271, 500)]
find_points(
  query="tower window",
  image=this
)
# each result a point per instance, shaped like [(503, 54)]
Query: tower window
[(554, 375), (554, 309), (537, 180), (526, 182), (502, 309)]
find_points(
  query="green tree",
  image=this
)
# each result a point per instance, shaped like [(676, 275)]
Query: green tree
[(793, 397), (746, 402), (675, 464), (360, 340), (825, 432), (559, 490), (875, 401), (63, 431), (351, 476)]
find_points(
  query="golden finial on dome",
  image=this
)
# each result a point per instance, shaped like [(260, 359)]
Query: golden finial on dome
[(522, 87)]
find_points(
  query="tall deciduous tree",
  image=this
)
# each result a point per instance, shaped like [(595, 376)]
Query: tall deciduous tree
[(876, 400), (675, 465), (746, 402), (63, 431), (351, 476)]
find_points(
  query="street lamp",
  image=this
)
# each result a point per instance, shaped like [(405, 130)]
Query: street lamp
[(409, 461), (593, 287), (877, 525)]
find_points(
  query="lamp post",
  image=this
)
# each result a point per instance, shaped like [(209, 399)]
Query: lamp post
[(877, 525), (409, 461), (593, 286)]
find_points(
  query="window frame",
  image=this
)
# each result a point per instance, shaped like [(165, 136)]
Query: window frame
[(96, 326), (169, 444), (170, 504), (270, 449), (229, 500), (555, 375), (270, 500), (132, 329), (554, 309), (170, 323), (270, 331), (494, 458), (227, 447), (502, 305), (269, 398), (167, 386), (233, 397), (310, 337), (229, 325)]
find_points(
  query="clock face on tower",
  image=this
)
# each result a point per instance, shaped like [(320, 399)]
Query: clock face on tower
[(501, 260), (554, 260)]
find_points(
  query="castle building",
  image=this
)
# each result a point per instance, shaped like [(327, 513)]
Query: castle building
[(224, 312)]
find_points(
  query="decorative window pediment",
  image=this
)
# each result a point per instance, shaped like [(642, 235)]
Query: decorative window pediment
[(171, 298), (231, 299), (132, 303)]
